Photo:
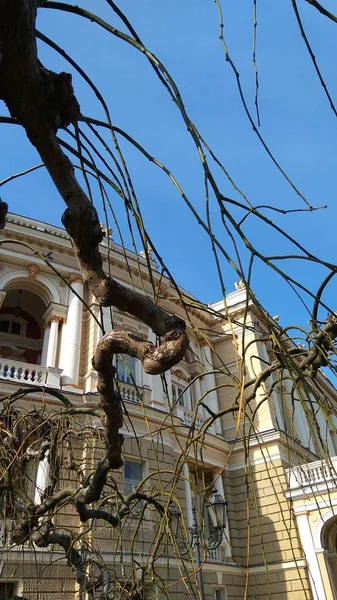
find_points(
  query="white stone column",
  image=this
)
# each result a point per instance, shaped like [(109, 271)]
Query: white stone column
[(52, 341), (188, 495), (42, 478), (196, 393), (155, 382), (208, 383), (70, 359), (45, 344), (317, 586)]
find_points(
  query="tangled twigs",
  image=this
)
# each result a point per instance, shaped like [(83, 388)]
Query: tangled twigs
[(49, 104)]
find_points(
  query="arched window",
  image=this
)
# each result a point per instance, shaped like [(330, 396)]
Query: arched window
[(21, 326), (329, 543)]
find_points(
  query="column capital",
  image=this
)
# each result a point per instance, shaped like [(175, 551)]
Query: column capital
[(73, 278), (55, 318), (55, 312)]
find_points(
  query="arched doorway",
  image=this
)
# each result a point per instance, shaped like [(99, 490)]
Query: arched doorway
[(329, 545), (21, 326)]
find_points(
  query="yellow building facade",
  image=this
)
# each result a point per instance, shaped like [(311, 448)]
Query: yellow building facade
[(268, 460)]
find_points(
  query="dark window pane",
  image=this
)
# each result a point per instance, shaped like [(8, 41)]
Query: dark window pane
[(4, 326), (6, 590), (16, 328), (133, 470)]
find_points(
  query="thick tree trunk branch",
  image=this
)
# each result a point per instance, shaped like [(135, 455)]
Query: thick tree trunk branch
[(42, 102)]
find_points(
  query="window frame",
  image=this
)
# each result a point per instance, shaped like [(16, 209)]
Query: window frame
[(132, 376), (185, 400), (16, 587), (134, 482), (223, 592), (13, 319)]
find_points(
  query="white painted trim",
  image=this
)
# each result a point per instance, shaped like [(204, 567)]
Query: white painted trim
[(307, 542), (42, 285), (312, 504), (319, 526), (46, 556)]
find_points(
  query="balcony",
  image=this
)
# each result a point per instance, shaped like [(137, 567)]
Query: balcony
[(129, 392), (214, 555), (191, 419), (318, 476), (25, 373)]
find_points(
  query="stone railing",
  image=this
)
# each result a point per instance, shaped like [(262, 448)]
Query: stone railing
[(21, 372), (129, 392), (192, 420), (213, 555), (314, 473)]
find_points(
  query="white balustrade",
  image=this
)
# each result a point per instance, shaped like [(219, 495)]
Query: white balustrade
[(193, 420), (214, 555), (21, 372), (130, 393), (313, 474)]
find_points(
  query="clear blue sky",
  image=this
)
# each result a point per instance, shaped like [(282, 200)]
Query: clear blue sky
[(296, 122)]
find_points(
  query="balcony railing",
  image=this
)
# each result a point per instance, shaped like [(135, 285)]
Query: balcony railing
[(315, 473), (21, 372), (214, 555), (192, 420), (129, 392)]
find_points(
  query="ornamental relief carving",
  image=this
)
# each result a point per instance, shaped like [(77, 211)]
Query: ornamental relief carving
[(33, 270), (73, 278), (53, 319), (195, 374), (11, 352), (180, 375)]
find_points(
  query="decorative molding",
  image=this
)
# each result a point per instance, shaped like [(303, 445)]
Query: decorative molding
[(56, 318), (195, 374), (3, 295), (179, 374), (73, 278), (55, 312), (33, 270), (11, 352)]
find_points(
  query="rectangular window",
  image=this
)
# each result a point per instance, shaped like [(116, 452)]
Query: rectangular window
[(126, 369), (201, 490), (178, 392), (220, 594), (7, 326), (6, 590), (133, 475)]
